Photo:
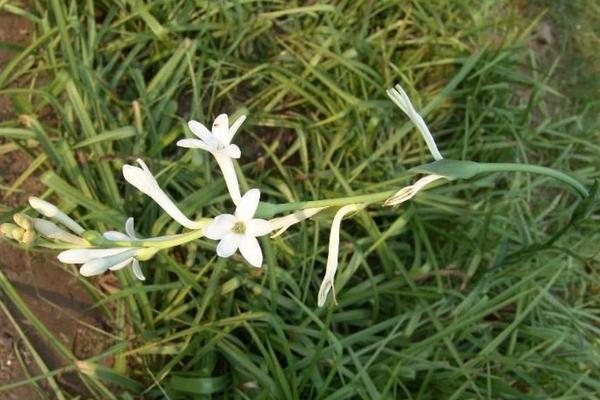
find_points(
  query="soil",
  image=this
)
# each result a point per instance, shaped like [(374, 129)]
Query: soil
[(51, 293)]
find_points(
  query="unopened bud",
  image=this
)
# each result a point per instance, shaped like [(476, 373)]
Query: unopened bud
[(51, 211), (18, 233), (29, 237), (52, 231), (23, 221), (7, 228)]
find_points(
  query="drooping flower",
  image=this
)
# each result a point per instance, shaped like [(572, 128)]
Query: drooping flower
[(400, 98), (332, 256), (240, 231), (408, 192), (145, 182), (218, 143)]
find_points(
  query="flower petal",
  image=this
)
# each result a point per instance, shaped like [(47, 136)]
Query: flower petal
[(129, 228), (229, 244), (220, 226), (248, 204), (99, 265), (232, 151), (234, 127), (137, 271), (258, 227), (80, 256), (250, 250), (202, 132), (220, 128), (121, 265), (115, 236), (194, 144)]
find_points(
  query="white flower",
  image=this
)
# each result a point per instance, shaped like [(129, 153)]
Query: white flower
[(51, 211), (240, 230), (218, 143), (332, 256), (145, 182), (281, 224), (400, 98), (408, 192), (98, 261)]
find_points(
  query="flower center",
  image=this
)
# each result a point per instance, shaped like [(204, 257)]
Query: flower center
[(239, 227)]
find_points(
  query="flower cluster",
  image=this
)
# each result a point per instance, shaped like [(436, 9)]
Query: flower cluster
[(113, 250)]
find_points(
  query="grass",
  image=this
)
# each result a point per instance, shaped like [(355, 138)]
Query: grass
[(446, 297)]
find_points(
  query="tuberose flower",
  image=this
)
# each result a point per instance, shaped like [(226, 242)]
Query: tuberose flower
[(332, 256), (281, 224), (240, 231), (400, 98), (218, 143), (145, 182), (98, 261)]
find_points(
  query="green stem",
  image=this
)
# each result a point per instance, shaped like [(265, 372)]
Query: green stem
[(268, 210), (534, 169)]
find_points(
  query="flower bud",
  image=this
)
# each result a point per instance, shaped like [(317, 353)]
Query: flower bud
[(6, 229), (29, 237), (17, 233), (51, 211), (52, 231), (23, 221)]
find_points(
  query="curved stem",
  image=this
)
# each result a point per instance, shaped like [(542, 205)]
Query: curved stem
[(535, 169)]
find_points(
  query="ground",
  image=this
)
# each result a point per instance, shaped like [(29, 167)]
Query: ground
[(52, 294)]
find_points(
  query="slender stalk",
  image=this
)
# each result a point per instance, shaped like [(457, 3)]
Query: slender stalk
[(534, 169), (267, 210)]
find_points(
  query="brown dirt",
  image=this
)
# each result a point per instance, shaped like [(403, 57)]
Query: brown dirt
[(53, 295)]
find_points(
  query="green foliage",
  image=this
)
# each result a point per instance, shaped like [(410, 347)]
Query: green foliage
[(439, 300)]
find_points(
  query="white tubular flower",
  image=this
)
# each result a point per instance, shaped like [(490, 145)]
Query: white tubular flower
[(127, 236), (408, 192), (400, 98), (240, 231), (144, 181), (281, 224), (98, 261), (51, 211), (52, 231), (332, 257), (218, 143)]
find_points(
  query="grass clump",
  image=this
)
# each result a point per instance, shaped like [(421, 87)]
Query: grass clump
[(451, 296)]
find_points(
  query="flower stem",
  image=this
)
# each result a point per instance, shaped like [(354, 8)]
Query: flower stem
[(268, 210), (534, 169)]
